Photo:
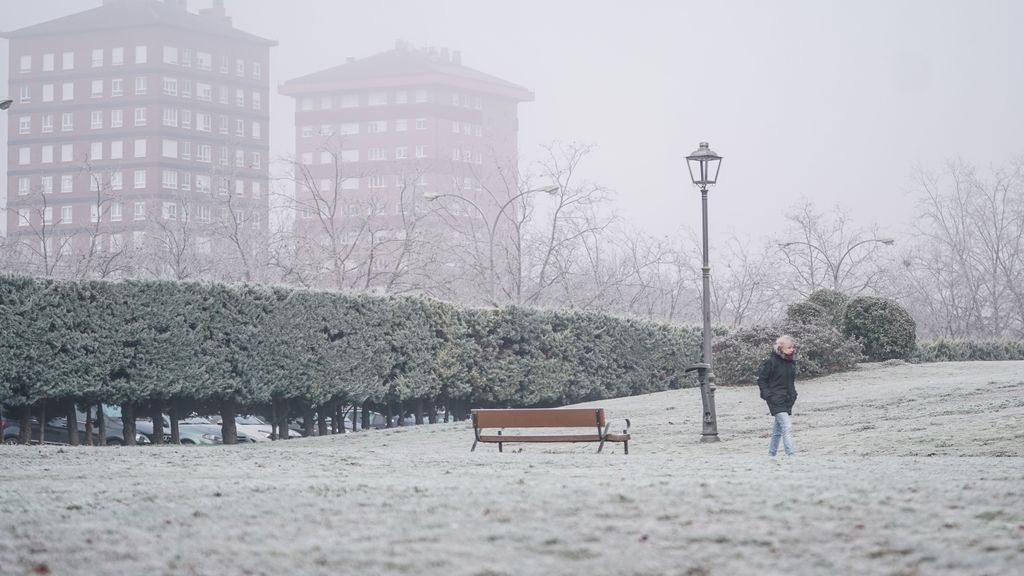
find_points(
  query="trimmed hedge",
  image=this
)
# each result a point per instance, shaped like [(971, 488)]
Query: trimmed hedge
[(967, 350), (161, 342), (821, 350), (885, 328)]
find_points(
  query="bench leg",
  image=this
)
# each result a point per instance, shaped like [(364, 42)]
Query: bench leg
[(500, 443), (626, 446), (600, 446), (473, 449)]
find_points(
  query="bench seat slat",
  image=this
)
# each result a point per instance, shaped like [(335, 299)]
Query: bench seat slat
[(539, 418)]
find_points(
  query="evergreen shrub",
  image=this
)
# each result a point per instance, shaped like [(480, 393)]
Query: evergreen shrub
[(885, 328), (968, 350)]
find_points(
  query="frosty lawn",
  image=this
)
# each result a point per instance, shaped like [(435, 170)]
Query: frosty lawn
[(904, 469)]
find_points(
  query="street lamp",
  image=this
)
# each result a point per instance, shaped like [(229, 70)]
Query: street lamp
[(704, 165), (492, 227), (836, 267), (6, 103)]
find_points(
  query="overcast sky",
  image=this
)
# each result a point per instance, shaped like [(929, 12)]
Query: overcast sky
[(835, 101)]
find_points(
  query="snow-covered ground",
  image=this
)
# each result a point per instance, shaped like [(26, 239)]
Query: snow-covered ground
[(901, 470)]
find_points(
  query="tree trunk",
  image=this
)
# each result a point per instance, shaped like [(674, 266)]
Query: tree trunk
[(419, 411), (156, 415), (42, 422), (321, 421), (25, 423), (101, 420), (282, 420), (72, 423), (337, 423), (172, 415), (273, 419), (88, 424), (228, 431), (432, 411), (308, 416), (128, 423), (365, 416)]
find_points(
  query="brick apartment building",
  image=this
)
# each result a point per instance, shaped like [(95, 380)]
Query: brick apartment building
[(134, 119), (383, 131)]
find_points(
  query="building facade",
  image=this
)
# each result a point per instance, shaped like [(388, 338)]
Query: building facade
[(137, 125), (376, 136)]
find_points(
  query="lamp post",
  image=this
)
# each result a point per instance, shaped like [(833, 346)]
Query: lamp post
[(836, 267), (492, 227), (6, 103), (704, 165)]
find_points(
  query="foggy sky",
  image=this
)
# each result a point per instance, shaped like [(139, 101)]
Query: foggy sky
[(834, 101)]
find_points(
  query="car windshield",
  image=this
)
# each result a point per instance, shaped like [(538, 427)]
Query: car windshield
[(250, 420), (196, 420)]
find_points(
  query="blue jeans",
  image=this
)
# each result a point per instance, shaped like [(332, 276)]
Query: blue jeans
[(782, 428)]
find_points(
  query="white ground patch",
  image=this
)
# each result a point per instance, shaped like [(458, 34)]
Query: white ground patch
[(901, 470)]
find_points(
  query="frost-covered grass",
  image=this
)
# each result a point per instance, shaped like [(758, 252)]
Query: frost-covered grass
[(903, 469)]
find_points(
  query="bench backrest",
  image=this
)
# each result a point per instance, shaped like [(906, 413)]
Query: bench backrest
[(539, 418)]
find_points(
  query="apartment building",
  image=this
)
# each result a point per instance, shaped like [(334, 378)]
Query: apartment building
[(135, 118), (382, 132)]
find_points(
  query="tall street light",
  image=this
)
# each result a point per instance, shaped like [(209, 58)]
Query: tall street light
[(492, 227), (835, 267), (6, 103), (704, 165)]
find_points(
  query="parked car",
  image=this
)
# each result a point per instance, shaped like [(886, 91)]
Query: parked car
[(256, 428), (192, 430), (56, 430)]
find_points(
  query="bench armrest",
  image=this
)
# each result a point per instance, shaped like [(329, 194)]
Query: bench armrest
[(608, 424)]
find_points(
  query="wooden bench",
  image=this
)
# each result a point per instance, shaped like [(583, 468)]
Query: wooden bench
[(591, 418)]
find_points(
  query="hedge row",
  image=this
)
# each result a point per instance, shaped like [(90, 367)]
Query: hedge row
[(967, 350), (159, 342)]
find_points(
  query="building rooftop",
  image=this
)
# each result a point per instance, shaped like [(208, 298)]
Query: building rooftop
[(114, 14), (401, 65)]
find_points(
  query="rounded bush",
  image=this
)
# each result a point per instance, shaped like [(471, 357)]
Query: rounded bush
[(885, 328), (822, 308)]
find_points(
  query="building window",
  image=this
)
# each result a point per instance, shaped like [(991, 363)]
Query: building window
[(140, 85), (140, 116), (422, 95), (24, 125), (170, 86), (204, 61), (169, 149), (24, 155), (117, 87), (47, 124), (116, 118), (257, 161), (203, 183), (96, 90), (170, 55), (239, 67), (97, 58), (377, 99), (349, 100), (169, 179), (202, 154), (239, 158), (170, 117), (115, 209), (377, 126), (140, 207), (96, 119), (67, 121), (307, 131), (47, 92), (257, 130), (350, 155), (67, 91), (23, 185), (47, 154), (375, 182), (67, 152), (186, 118), (117, 56), (239, 127), (239, 97), (350, 184), (204, 92), (455, 154), (401, 153), (26, 64), (116, 181), (222, 94), (421, 123), (96, 151), (326, 103), (94, 213), (257, 70), (185, 150), (140, 148), (140, 55), (24, 216), (140, 180), (185, 179), (421, 151), (376, 154), (306, 103), (67, 184), (186, 88), (48, 215), (349, 129), (47, 184), (401, 125), (257, 190), (25, 94), (256, 103), (66, 215), (401, 97), (67, 61)]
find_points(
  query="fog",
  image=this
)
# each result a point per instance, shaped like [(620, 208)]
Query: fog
[(833, 101)]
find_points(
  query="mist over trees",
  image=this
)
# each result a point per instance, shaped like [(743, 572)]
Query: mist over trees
[(958, 267)]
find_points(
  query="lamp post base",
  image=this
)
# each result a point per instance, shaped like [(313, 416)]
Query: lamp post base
[(709, 438)]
